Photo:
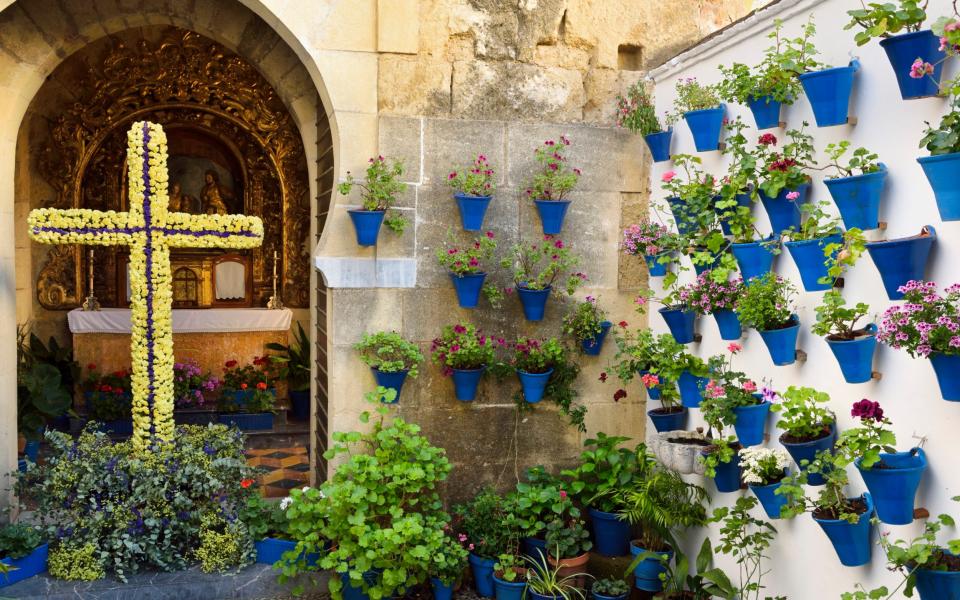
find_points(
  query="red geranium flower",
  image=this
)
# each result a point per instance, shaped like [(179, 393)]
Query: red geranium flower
[(230, 364), (261, 386), (245, 483), (92, 367), (619, 395), (243, 386), (106, 388)]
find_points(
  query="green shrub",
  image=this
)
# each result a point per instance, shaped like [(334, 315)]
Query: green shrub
[(19, 539), (75, 562), (223, 546)]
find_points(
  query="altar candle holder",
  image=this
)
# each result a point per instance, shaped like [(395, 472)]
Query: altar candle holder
[(90, 303), (275, 303)]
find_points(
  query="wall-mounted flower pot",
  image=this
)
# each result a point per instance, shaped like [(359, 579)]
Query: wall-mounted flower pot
[(807, 451), (810, 259), (593, 346), (729, 324), (858, 198), (247, 421), (850, 540), (766, 111), (755, 259), (902, 260), (533, 384), (482, 569), (465, 382), (611, 534), (681, 323), (680, 215), (472, 210), (653, 392), (947, 369), (654, 267), (26, 567), (691, 389), (782, 343), (675, 420), (829, 93), (706, 126), (444, 591), (647, 573), (391, 380), (552, 214), (366, 224), (727, 477), (701, 269), (468, 288), (769, 499), (742, 200), (659, 144), (938, 585), (751, 423), (941, 171), (894, 485), (902, 50), (783, 213), (856, 356), (534, 302)]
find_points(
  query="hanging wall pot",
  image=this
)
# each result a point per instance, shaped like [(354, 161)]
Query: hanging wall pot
[(706, 126), (366, 225), (902, 50), (729, 324), (858, 198), (902, 260), (552, 214), (783, 213), (893, 484), (851, 540), (680, 321), (766, 111), (829, 93), (659, 144), (472, 210), (782, 343), (856, 356), (941, 171), (810, 258), (755, 259)]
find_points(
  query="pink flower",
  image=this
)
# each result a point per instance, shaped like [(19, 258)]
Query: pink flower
[(793, 196), (650, 380), (452, 175), (470, 547), (563, 495), (668, 176), (462, 537), (734, 347), (489, 234), (749, 386), (919, 69)]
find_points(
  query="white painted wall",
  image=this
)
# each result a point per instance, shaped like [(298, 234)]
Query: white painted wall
[(804, 564)]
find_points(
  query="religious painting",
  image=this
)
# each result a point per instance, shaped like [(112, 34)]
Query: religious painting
[(204, 178)]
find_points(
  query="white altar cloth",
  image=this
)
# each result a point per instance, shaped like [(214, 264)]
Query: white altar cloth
[(185, 320)]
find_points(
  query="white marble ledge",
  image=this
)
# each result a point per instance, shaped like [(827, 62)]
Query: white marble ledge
[(357, 272)]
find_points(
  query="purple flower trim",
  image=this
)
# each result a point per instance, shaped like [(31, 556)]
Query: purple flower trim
[(148, 252)]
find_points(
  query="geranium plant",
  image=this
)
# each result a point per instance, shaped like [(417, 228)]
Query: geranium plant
[(463, 346), (767, 303), (636, 111), (836, 320), (831, 503), (379, 189), (693, 95), (567, 538), (584, 321), (706, 296), (862, 161), (881, 20), (555, 178), (237, 377), (389, 352), (469, 258), (872, 437), (647, 238), (485, 526), (763, 466), (537, 356), (804, 416), (538, 500), (607, 468), (448, 557), (815, 223), (926, 323), (695, 190), (473, 180), (725, 391), (538, 265), (787, 168)]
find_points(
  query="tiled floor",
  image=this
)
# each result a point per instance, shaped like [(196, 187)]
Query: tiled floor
[(286, 468)]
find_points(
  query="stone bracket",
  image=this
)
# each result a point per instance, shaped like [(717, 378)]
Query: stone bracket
[(359, 272)]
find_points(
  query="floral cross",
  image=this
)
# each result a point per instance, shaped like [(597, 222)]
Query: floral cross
[(150, 231)]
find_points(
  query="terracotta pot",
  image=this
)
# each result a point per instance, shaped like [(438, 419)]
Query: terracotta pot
[(572, 566)]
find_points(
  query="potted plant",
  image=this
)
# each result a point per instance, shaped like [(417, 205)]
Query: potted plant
[(856, 186), (691, 196), (808, 428), (763, 470), (701, 108), (192, 388), (239, 382), (269, 528), (587, 323), (902, 260), (808, 245), (509, 577), (827, 88), (466, 265), (767, 306), (293, 364), (923, 326), (653, 242), (488, 530), (534, 361), (892, 477), (109, 400), (941, 141), (568, 548), (390, 357), (672, 415), (253, 412), (784, 182), (706, 296), (472, 188), (678, 584), (546, 583), (884, 20), (745, 539), (448, 558), (636, 112), (464, 353), (23, 551), (548, 188), (536, 501), (732, 399), (737, 191), (32, 352), (41, 396), (609, 588), (536, 267), (676, 312), (377, 194), (753, 252)]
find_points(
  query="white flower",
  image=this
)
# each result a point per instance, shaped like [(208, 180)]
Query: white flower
[(285, 503)]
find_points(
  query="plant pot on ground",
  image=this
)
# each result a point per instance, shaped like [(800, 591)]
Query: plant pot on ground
[(24, 550), (509, 578), (568, 549), (293, 362)]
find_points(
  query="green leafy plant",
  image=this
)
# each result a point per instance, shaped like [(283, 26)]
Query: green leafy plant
[(537, 356), (547, 581), (293, 361), (583, 322), (704, 583), (881, 20), (463, 346), (610, 587), (662, 356), (108, 396), (787, 168), (836, 320), (861, 162), (767, 303), (831, 502), (380, 189), (473, 180), (746, 539), (726, 391), (264, 518), (539, 499), (606, 470), (224, 546), (567, 538), (816, 223), (389, 352), (695, 191), (776, 75), (486, 525), (555, 177), (447, 557), (41, 395), (945, 137), (693, 95), (538, 265), (75, 562), (18, 540), (870, 439), (508, 567), (804, 415), (636, 111)]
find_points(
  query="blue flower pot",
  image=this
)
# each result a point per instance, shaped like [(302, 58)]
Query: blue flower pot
[(856, 356), (535, 548), (684, 218), (701, 269), (468, 288), (654, 392), (465, 382), (472, 210), (947, 369), (894, 487), (552, 214), (270, 550), (654, 267), (32, 450), (829, 93), (751, 423), (902, 50), (508, 590), (938, 585), (782, 343), (729, 324), (659, 145), (691, 389), (647, 573), (743, 200), (902, 260), (366, 224), (247, 421), (766, 111), (299, 404), (594, 345), (535, 596), (681, 323), (611, 534), (352, 592), (783, 213), (674, 421), (727, 477), (755, 259), (941, 171), (810, 258), (26, 567), (534, 302), (443, 591), (533, 384), (391, 380), (850, 540), (482, 574), (118, 427), (597, 596), (769, 499), (807, 451), (858, 198), (706, 126)]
